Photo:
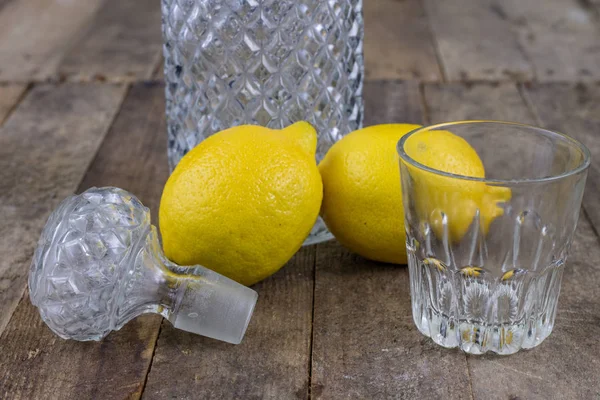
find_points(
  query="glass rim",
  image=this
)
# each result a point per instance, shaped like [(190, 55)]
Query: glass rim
[(576, 143)]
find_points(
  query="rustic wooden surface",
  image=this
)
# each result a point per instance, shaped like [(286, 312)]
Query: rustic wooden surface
[(475, 41), (386, 57), (366, 344), (330, 325), (35, 34), (273, 366), (123, 43), (575, 110), (45, 367), (72, 121), (560, 39)]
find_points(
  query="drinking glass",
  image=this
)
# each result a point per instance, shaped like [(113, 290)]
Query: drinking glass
[(486, 255), (263, 62)]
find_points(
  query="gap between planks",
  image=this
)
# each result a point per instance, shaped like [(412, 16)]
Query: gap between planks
[(10, 97), (270, 363), (312, 328)]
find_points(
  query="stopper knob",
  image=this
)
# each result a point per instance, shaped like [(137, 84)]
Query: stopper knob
[(99, 264)]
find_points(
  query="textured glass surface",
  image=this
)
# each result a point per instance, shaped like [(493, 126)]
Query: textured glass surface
[(265, 62), (492, 288), (98, 265)]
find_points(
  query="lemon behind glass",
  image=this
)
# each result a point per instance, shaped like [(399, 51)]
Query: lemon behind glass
[(362, 202), (458, 200), (242, 202)]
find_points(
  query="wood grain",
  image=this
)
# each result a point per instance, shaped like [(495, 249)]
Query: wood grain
[(134, 153), (366, 345), (476, 42), (365, 342), (35, 34), (45, 148), (392, 102), (272, 362), (560, 38), (43, 366), (455, 102), (9, 96), (123, 43), (556, 369), (574, 109), (398, 41)]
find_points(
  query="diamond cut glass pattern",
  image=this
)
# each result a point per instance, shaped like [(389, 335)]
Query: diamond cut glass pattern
[(269, 63), (264, 62), (99, 264)]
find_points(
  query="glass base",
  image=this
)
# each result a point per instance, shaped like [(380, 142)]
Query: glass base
[(479, 314), (319, 234), (478, 339)]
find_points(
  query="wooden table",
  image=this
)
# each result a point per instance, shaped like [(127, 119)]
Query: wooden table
[(81, 104)]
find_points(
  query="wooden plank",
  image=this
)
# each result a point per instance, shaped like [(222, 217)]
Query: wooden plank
[(574, 109), (45, 147), (476, 42), (272, 362), (398, 41), (365, 342), (123, 43), (35, 34), (366, 345), (392, 102), (134, 154), (560, 38), (458, 101), (9, 97), (39, 365), (534, 374)]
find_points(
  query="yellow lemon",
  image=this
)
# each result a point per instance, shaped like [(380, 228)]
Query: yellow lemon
[(441, 198), (362, 199), (242, 202), (362, 202)]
